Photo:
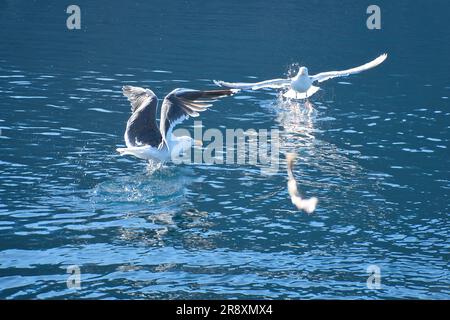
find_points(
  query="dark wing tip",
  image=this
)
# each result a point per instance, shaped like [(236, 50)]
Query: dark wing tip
[(129, 91), (219, 93), (126, 88)]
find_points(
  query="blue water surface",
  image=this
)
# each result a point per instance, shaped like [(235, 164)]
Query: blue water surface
[(374, 151)]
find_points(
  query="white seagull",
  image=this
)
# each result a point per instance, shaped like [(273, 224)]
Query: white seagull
[(301, 86), (143, 137)]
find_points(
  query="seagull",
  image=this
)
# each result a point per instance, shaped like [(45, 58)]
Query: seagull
[(144, 139), (308, 205), (301, 86)]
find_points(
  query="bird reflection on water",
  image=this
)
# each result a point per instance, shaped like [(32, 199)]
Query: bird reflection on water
[(154, 203), (301, 134)]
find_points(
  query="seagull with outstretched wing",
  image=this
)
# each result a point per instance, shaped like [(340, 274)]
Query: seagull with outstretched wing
[(301, 86), (145, 139)]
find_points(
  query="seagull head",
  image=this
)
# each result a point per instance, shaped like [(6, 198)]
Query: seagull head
[(303, 71)]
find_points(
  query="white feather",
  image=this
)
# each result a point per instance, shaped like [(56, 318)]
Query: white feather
[(323, 76)]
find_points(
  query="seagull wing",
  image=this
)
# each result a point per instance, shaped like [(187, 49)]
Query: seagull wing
[(323, 76), (181, 104), (274, 84), (139, 96), (141, 126)]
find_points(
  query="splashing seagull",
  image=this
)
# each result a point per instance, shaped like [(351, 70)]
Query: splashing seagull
[(143, 137), (308, 205), (301, 86)]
